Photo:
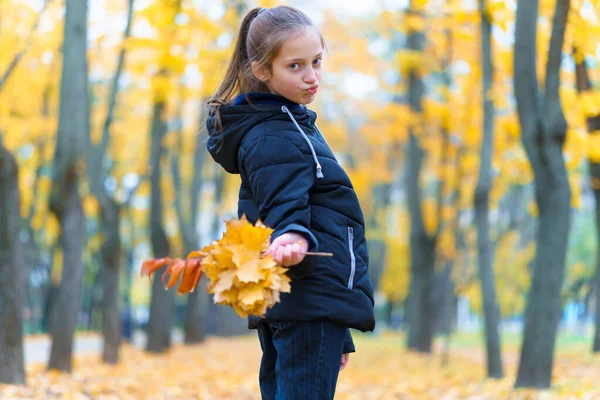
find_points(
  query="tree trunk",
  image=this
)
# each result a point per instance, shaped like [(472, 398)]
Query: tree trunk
[(195, 315), (485, 255), (110, 215), (485, 250), (377, 254), (593, 124), (162, 301), (111, 263), (65, 202), (421, 310), (420, 314), (596, 346), (214, 318), (595, 172), (196, 306), (12, 274), (543, 130)]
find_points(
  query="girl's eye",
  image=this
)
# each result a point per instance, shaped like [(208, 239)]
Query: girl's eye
[(318, 61), (294, 64)]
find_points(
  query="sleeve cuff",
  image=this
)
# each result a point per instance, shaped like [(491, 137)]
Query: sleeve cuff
[(348, 343)]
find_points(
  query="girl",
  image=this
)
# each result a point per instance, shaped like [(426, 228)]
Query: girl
[(259, 127)]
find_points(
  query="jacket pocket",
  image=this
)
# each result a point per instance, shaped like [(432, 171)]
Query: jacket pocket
[(352, 258)]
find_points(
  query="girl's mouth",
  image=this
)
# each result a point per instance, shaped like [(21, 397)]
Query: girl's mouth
[(312, 91)]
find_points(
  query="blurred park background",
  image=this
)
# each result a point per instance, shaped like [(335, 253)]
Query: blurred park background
[(470, 130)]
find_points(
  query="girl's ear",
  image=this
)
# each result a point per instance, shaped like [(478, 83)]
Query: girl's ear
[(261, 73)]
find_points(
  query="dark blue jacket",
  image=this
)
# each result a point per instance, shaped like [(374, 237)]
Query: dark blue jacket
[(291, 181)]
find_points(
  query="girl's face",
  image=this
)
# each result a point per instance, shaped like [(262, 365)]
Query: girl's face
[(297, 70)]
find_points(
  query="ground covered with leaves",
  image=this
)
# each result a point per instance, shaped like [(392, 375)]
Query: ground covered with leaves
[(227, 368)]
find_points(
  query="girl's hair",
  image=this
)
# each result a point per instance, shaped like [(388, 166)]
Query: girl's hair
[(261, 35)]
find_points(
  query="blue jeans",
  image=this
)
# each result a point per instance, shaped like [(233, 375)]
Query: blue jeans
[(301, 360)]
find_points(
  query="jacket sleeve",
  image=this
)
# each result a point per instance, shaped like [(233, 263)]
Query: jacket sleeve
[(280, 177), (348, 343)]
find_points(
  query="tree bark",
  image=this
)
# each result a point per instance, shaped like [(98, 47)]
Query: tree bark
[(162, 301), (111, 250), (543, 130), (12, 274), (485, 249), (420, 308), (596, 346), (110, 254), (65, 201), (196, 306), (215, 315), (593, 124), (420, 313), (377, 255)]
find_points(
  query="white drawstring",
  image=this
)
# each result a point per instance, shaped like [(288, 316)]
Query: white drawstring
[(312, 149)]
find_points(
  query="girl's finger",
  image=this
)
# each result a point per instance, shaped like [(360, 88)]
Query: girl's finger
[(287, 255), (297, 255), (279, 254)]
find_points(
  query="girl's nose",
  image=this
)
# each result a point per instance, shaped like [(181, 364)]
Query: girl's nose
[(311, 76)]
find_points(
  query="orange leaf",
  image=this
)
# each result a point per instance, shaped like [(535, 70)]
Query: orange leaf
[(150, 266), (197, 277), (188, 282), (175, 269), (196, 254)]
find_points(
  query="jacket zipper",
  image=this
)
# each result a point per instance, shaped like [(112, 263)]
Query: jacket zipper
[(352, 259)]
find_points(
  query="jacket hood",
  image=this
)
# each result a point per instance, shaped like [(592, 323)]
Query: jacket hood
[(247, 111)]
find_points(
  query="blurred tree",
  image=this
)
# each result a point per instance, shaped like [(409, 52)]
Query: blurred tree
[(163, 14), (12, 274), (422, 245), (584, 86), (110, 209), (187, 217), (543, 130), (65, 202), (485, 251)]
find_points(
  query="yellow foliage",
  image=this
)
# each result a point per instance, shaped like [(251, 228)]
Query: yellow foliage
[(593, 145), (590, 103), (469, 162), (91, 207), (576, 185), (411, 61), (268, 3), (512, 276), (429, 210), (418, 5), (57, 267), (532, 208), (396, 274), (414, 23), (446, 244), (53, 228)]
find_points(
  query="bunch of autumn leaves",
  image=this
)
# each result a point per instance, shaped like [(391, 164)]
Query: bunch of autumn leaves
[(240, 276)]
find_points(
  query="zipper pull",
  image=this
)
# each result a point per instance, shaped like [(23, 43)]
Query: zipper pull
[(351, 232)]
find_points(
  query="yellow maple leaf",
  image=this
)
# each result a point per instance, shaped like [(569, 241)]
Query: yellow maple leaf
[(248, 264), (249, 295), (225, 281)]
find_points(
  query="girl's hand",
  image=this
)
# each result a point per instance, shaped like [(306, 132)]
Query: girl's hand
[(345, 361), (288, 249)]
